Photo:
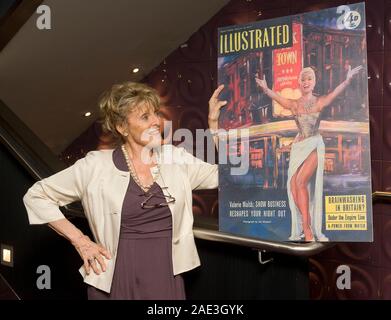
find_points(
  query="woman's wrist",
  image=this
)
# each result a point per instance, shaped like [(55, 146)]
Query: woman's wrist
[(346, 84), (213, 124), (66, 229), (214, 132), (78, 239)]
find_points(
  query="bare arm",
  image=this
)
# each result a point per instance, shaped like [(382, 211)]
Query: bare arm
[(88, 250), (326, 100), (44, 198), (284, 102), (214, 112), (203, 175)]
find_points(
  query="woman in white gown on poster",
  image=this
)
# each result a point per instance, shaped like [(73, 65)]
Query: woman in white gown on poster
[(306, 162)]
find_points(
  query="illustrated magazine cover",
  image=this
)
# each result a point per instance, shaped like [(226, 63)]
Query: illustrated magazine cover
[(296, 128)]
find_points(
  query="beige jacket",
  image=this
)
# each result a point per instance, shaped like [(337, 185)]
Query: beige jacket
[(101, 188)]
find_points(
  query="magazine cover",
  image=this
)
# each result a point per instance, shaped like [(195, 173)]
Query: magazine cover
[(295, 129)]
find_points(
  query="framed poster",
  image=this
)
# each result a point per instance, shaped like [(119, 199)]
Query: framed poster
[(297, 86)]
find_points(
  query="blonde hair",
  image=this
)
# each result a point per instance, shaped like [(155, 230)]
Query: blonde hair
[(116, 103), (307, 70)]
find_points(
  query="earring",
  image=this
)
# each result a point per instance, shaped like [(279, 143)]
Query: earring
[(125, 134)]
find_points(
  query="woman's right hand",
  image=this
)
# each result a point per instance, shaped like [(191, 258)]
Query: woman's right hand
[(262, 83), (352, 72), (91, 252)]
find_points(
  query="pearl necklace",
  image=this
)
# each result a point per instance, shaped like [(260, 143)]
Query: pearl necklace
[(133, 172)]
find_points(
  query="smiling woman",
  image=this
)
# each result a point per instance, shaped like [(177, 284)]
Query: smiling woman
[(138, 205), (137, 100)]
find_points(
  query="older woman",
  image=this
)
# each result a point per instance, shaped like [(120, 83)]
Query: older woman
[(137, 199), (307, 153)]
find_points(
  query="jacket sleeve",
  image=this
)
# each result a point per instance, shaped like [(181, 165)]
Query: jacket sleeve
[(43, 199), (202, 175)]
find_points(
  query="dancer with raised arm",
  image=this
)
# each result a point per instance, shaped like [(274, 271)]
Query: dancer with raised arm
[(306, 161)]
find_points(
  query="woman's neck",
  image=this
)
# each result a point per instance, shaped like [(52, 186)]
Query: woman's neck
[(307, 96), (139, 153)]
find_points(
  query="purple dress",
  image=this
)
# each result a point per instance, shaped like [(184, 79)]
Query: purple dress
[(143, 267)]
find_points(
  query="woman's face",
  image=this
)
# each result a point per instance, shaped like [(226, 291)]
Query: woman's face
[(143, 126), (307, 82)]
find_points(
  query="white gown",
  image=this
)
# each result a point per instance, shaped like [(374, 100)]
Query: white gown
[(308, 125)]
